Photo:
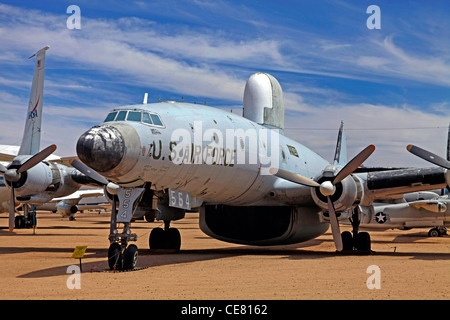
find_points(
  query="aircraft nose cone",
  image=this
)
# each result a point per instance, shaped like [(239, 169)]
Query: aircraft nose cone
[(101, 148)]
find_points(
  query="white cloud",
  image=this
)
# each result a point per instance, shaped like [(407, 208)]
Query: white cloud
[(204, 63), (390, 129)]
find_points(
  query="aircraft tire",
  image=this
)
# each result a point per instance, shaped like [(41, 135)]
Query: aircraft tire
[(347, 240), (434, 232), (19, 222), (165, 239), (156, 239), (115, 256), (173, 239), (363, 242), (130, 257)]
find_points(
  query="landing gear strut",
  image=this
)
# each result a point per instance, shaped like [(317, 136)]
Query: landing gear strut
[(122, 256), (165, 239), (27, 220), (359, 241)]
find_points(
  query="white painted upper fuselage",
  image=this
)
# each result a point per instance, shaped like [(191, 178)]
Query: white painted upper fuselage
[(208, 164)]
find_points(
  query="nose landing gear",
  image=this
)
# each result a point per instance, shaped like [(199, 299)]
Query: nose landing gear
[(122, 256)]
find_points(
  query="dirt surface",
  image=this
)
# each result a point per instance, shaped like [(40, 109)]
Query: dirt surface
[(412, 266)]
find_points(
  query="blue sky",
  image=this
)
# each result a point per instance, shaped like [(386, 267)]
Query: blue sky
[(390, 86)]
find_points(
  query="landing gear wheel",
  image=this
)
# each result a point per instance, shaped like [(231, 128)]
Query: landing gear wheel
[(347, 241), (434, 232), (115, 256), (19, 222), (130, 257), (173, 239), (362, 242), (169, 239), (156, 240)]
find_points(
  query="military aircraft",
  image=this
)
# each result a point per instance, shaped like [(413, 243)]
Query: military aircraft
[(414, 210), (29, 178), (251, 183), (80, 200)]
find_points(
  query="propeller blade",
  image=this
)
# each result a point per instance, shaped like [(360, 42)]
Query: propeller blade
[(12, 213), (38, 157), (294, 177), (88, 172), (113, 225), (353, 164), (335, 230), (428, 156), (2, 168)]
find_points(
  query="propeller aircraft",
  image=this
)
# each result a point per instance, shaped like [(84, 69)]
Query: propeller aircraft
[(415, 210), (251, 183), (28, 176)]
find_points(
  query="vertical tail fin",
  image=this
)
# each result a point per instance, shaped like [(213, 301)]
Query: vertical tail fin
[(32, 133), (340, 155), (448, 143)]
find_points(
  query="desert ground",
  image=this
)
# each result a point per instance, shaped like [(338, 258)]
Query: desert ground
[(35, 266)]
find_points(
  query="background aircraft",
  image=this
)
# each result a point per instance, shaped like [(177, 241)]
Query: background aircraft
[(80, 200), (413, 210), (29, 178), (141, 153)]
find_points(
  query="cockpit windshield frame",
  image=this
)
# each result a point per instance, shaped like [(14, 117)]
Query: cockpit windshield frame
[(130, 115)]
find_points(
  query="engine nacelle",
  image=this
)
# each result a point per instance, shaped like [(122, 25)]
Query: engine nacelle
[(261, 225), (348, 194), (33, 181), (42, 182), (66, 209)]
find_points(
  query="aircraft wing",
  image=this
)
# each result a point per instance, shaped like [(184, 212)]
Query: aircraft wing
[(436, 205), (7, 157), (9, 152), (382, 184), (80, 194), (66, 160)]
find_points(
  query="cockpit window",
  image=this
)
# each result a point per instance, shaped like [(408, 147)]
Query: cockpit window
[(134, 116), (146, 118), (156, 120), (110, 117), (121, 116)]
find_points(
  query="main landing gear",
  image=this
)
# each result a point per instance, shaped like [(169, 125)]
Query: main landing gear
[(356, 241), (28, 219), (165, 239)]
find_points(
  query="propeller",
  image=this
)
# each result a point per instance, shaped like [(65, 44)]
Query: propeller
[(14, 174), (328, 188), (88, 172), (433, 158), (110, 187), (428, 156)]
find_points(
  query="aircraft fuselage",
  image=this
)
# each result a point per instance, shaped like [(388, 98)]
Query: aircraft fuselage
[(212, 154)]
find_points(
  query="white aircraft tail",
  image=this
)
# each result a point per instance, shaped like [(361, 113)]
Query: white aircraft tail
[(32, 133), (340, 155), (448, 144)]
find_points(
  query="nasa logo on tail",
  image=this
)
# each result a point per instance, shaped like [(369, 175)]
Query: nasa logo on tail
[(33, 113)]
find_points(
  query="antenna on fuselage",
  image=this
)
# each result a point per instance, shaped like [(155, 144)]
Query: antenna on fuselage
[(145, 98)]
